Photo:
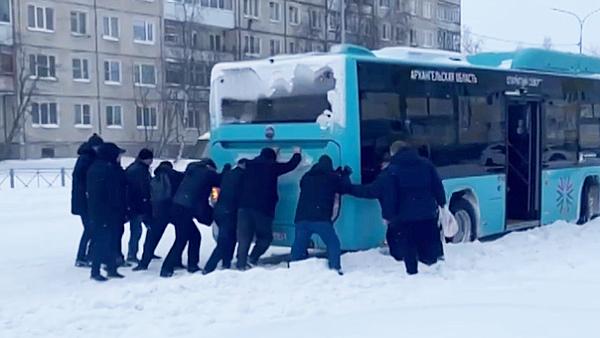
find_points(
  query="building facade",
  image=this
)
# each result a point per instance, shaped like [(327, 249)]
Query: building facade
[(138, 71)]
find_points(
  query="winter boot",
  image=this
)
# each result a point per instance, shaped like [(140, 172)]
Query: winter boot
[(98, 278), (133, 259), (193, 269), (156, 257), (115, 274), (166, 274), (82, 264), (140, 267)]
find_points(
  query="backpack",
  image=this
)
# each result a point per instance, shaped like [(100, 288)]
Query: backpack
[(160, 188)]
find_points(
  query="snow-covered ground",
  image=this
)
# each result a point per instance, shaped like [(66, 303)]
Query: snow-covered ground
[(541, 283)]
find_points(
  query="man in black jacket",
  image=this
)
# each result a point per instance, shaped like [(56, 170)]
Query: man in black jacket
[(257, 203), (226, 217), (163, 187), (138, 200), (319, 188), (106, 184), (87, 154), (191, 201), (410, 192)]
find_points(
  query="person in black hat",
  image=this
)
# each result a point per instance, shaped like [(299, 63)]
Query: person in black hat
[(106, 184), (87, 154), (138, 200), (191, 201), (257, 203)]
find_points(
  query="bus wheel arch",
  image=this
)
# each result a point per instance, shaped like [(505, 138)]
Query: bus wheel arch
[(465, 208), (589, 206)]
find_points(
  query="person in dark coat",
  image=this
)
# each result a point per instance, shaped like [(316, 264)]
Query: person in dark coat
[(410, 192), (191, 201), (319, 189), (164, 185), (138, 200), (257, 204), (226, 217), (106, 184), (87, 155)]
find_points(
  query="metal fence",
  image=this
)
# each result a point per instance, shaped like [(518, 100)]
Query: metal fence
[(35, 178)]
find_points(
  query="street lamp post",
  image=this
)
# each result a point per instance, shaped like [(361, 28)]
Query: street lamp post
[(582, 22)]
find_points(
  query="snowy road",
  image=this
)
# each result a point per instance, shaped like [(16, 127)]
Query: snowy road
[(542, 283)]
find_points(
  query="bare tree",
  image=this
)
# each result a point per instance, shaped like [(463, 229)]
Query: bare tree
[(470, 44), (547, 44), (26, 86)]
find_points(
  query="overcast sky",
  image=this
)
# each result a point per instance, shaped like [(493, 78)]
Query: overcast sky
[(529, 21)]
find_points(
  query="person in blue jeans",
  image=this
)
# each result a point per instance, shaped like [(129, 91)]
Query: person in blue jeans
[(319, 189)]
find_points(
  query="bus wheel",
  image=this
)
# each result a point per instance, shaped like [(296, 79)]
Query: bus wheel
[(589, 204), (464, 213)]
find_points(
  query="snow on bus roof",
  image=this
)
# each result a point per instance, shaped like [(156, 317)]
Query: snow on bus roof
[(422, 55)]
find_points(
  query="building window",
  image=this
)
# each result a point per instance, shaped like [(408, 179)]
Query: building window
[(83, 115), (146, 117), (251, 8), (275, 47), (427, 9), (114, 116), (195, 39), (81, 70), (144, 75), (251, 45), (292, 47), (42, 66), (428, 38), (200, 74), (412, 7), (6, 63), (384, 3), (215, 43), (40, 18), (275, 11), (174, 73), (193, 118), (334, 21), (143, 32), (171, 33), (5, 11), (399, 33), (412, 37), (294, 15), (315, 19), (44, 114), (78, 23), (110, 28), (112, 72), (385, 32)]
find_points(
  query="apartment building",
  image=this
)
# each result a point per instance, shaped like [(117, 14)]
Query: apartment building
[(138, 71)]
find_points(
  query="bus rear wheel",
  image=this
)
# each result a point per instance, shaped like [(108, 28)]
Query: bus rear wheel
[(590, 203), (464, 213)]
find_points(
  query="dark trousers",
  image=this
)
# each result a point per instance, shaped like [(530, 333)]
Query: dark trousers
[(186, 233), (135, 233), (117, 236), (102, 249), (84, 242), (325, 230), (226, 241), (155, 232), (415, 241), (253, 223)]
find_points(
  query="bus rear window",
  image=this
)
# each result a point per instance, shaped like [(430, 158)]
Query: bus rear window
[(298, 109)]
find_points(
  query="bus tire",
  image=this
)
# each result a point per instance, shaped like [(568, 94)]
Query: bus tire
[(464, 213), (589, 203)]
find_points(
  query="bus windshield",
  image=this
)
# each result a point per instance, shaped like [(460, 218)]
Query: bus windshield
[(282, 92)]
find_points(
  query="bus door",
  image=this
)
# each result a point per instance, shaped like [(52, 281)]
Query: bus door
[(523, 176)]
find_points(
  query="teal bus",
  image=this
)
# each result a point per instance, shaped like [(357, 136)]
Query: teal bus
[(515, 136)]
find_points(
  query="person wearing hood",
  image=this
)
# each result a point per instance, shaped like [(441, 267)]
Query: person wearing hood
[(410, 191), (257, 204), (87, 154), (191, 201), (138, 200), (319, 189), (163, 186), (226, 210), (106, 192)]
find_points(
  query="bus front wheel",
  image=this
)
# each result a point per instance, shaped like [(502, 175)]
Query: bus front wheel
[(464, 213)]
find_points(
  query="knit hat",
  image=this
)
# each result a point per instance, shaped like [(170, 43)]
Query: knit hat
[(95, 141), (146, 154)]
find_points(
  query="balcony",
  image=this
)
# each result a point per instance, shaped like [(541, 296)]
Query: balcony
[(203, 15)]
